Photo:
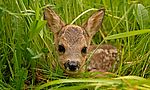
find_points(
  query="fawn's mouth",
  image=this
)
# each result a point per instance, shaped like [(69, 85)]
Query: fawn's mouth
[(72, 66)]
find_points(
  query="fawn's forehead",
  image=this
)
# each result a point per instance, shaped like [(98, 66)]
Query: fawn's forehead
[(73, 35)]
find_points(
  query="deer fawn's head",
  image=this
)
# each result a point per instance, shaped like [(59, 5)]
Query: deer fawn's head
[(72, 41)]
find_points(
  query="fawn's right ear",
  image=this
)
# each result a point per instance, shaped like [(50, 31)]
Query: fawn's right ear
[(93, 24), (53, 20)]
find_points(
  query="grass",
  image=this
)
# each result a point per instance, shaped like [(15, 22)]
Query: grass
[(27, 46)]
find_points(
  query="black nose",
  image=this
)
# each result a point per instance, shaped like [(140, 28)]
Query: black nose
[(72, 65)]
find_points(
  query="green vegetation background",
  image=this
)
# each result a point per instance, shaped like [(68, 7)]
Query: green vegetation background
[(26, 44)]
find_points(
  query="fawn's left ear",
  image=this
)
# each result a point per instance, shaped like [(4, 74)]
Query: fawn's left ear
[(53, 20), (94, 22)]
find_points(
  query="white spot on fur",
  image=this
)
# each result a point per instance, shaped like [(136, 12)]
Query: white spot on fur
[(107, 58), (113, 50), (99, 50), (106, 51)]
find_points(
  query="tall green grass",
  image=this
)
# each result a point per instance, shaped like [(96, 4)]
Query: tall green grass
[(27, 46)]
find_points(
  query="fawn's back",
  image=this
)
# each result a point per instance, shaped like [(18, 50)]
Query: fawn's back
[(73, 43)]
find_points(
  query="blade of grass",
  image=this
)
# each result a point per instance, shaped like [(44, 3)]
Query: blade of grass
[(127, 34)]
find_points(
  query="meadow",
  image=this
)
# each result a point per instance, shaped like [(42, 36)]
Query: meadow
[(27, 48)]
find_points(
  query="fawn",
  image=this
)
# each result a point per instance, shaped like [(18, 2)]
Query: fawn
[(73, 44)]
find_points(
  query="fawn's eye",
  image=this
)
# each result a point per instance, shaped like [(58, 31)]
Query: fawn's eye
[(84, 50), (61, 49)]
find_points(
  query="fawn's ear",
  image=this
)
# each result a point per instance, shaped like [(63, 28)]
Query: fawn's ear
[(94, 22), (53, 20)]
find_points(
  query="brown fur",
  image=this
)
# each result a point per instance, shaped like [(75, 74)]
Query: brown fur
[(74, 38), (103, 58)]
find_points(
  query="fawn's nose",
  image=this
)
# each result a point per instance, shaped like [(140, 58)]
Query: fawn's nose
[(72, 65)]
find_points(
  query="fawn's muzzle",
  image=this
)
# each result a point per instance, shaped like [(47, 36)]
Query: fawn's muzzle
[(72, 65)]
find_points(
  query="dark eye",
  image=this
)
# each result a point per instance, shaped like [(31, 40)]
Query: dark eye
[(84, 50), (61, 49)]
